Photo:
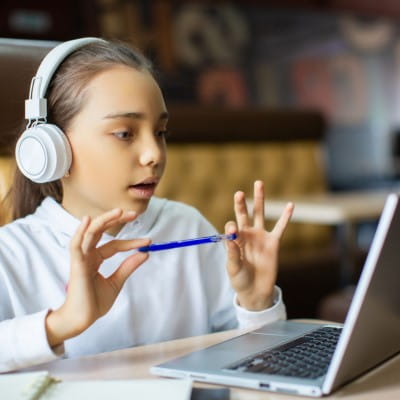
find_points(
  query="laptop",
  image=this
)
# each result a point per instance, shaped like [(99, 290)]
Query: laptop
[(308, 358)]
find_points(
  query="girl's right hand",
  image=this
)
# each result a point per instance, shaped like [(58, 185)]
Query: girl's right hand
[(90, 295)]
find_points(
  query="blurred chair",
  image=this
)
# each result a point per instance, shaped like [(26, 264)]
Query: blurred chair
[(334, 306)]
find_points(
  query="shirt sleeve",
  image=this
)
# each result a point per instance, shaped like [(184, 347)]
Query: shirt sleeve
[(249, 319), (24, 342)]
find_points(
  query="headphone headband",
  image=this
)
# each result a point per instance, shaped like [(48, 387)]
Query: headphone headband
[(36, 105)]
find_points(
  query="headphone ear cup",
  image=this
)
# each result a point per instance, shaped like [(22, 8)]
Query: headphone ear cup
[(43, 153)]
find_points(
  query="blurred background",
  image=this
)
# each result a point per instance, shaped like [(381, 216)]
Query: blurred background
[(341, 57), (311, 88)]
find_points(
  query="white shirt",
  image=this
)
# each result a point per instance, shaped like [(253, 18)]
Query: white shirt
[(174, 294)]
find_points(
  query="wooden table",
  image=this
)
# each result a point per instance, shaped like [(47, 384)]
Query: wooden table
[(343, 210), (332, 208), (383, 383)]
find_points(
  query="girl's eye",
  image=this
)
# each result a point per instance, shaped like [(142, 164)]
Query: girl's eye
[(123, 135), (162, 133)]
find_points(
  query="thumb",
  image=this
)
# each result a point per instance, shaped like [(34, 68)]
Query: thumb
[(130, 265)]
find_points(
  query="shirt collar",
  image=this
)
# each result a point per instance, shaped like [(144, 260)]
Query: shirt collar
[(62, 221), (144, 222), (55, 215)]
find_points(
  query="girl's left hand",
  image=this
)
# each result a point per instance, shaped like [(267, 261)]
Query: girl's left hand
[(253, 257)]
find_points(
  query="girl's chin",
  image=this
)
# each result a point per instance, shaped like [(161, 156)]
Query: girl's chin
[(138, 205)]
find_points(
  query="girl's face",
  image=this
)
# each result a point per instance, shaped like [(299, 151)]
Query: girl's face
[(118, 144)]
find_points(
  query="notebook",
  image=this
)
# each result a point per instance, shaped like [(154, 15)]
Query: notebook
[(276, 357), (41, 386)]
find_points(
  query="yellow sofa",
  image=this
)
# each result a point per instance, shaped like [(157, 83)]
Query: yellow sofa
[(214, 152)]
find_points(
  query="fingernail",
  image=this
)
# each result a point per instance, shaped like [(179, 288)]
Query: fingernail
[(131, 213), (239, 194)]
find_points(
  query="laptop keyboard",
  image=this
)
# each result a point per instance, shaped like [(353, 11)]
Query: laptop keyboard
[(305, 357)]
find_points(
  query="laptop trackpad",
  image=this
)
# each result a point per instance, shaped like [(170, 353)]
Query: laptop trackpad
[(287, 328), (233, 350), (222, 354), (266, 337)]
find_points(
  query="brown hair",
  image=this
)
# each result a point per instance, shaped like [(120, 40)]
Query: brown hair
[(65, 97)]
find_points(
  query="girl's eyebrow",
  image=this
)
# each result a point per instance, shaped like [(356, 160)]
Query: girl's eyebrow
[(134, 115)]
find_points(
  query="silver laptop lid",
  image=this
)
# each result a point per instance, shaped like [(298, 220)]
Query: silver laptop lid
[(371, 332)]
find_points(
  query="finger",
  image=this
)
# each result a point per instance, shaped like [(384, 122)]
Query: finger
[(242, 216), (77, 239), (258, 210), (283, 221), (127, 268), (98, 227), (231, 227), (233, 249), (127, 216), (114, 246), (233, 257)]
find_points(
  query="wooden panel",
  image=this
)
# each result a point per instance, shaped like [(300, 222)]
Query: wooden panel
[(211, 124)]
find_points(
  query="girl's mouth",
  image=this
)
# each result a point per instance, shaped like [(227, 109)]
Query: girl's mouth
[(143, 190)]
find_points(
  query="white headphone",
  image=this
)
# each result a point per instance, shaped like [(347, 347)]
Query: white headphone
[(43, 152)]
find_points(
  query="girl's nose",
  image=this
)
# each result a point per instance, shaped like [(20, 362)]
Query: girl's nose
[(152, 151)]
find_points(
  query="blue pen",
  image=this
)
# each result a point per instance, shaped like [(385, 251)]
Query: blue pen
[(187, 242)]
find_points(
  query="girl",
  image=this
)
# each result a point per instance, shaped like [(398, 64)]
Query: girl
[(67, 286)]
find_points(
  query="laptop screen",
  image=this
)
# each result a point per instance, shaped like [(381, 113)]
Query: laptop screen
[(371, 332)]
